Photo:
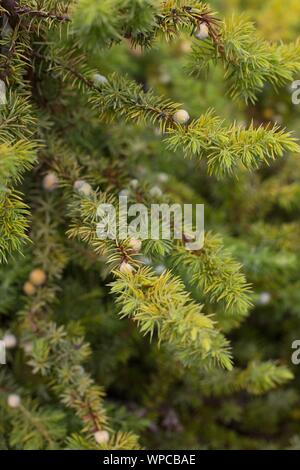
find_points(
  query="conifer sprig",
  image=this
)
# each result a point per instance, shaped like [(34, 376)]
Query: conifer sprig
[(256, 379), (162, 307), (249, 61), (159, 305), (217, 275), (16, 9), (14, 223), (226, 148), (32, 426), (15, 160), (57, 353), (177, 15)]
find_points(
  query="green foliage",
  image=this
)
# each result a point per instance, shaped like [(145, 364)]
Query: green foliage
[(217, 275), (256, 379), (15, 160), (249, 61), (160, 305), (13, 223), (35, 428), (122, 441), (91, 91), (103, 23), (229, 147), (224, 147)]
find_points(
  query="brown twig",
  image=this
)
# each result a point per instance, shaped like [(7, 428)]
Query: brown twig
[(14, 10), (41, 14)]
